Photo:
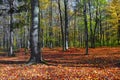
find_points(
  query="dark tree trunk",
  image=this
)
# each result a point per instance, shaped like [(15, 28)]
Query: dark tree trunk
[(86, 26), (61, 23), (103, 38), (66, 24), (91, 31), (100, 23), (100, 29), (59, 40), (74, 43), (118, 32), (36, 56), (96, 25)]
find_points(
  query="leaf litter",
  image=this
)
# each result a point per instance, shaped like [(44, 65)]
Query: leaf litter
[(100, 64)]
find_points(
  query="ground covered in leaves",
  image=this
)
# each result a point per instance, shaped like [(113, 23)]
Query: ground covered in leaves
[(100, 64)]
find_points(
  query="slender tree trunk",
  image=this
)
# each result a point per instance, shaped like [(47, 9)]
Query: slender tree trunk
[(91, 31), (42, 32), (36, 56), (4, 39), (100, 29), (50, 28), (103, 38), (42, 38), (47, 37), (8, 38), (74, 43), (118, 32), (66, 24), (86, 26), (96, 25), (59, 40), (61, 24), (11, 53), (100, 23)]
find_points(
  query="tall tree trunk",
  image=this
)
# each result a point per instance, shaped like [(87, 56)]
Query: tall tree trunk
[(11, 53), (91, 31), (100, 23), (74, 43), (101, 29), (103, 40), (118, 32), (66, 24), (36, 56), (61, 24), (50, 28), (96, 25), (8, 35), (86, 26), (42, 31)]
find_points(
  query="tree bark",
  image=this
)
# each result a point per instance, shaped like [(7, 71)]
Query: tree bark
[(86, 27), (118, 32), (61, 24), (36, 56), (11, 53), (66, 24), (74, 42), (91, 31), (50, 27)]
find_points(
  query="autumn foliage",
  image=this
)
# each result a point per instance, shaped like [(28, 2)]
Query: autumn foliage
[(100, 64)]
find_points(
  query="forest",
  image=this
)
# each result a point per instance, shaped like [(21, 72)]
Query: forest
[(59, 39)]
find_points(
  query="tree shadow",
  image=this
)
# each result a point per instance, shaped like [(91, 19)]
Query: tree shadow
[(81, 60), (12, 62), (3, 54)]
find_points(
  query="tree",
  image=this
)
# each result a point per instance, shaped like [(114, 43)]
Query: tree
[(36, 56), (86, 26), (61, 24), (116, 6), (113, 13), (11, 53), (51, 25), (91, 31), (66, 24)]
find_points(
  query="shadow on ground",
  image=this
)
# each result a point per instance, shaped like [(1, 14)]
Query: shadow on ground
[(71, 58), (81, 60), (12, 62)]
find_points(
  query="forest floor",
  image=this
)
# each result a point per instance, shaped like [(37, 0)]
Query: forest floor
[(101, 64)]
